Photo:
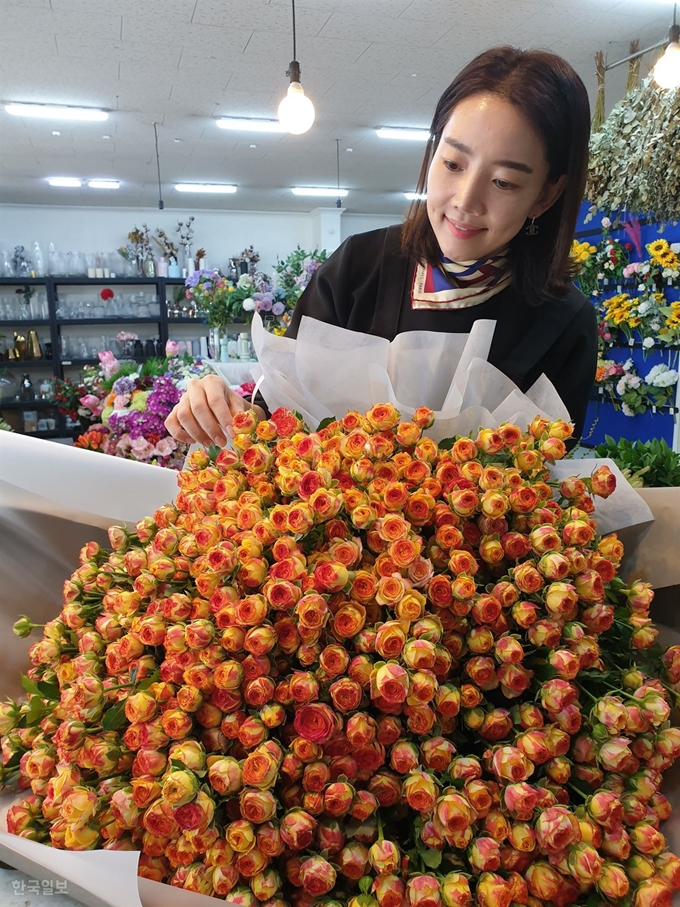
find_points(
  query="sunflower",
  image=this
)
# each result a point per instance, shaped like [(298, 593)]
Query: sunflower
[(669, 259), (657, 247)]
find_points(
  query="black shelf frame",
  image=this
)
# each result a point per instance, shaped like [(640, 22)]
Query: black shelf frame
[(164, 288)]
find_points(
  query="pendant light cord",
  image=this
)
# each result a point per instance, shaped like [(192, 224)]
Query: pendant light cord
[(294, 41), (161, 203)]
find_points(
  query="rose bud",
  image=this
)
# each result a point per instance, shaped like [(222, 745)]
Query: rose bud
[(653, 893), (520, 800), (509, 763), (420, 791), (384, 857), (668, 868), (484, 855), (353, 860), (361, 729), (454, 811), (543, 881), (423, 891), (338, 798), (317, 876), (647, 840), (603, 481), (493, 891), (297, 829), (616, 844), (437, 753), (389, 891), (364, 804), (404, 757), (527, 579)]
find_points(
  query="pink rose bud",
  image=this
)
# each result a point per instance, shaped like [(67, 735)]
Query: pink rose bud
[(603, 481), (317, 875), (585, 864), (389, 891), (384, 857), (493, 890), (484, 855), (613, 882), (423, 891)]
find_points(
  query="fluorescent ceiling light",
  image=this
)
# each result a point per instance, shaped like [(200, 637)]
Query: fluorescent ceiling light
[(410, 135), (104, 184), (205, 187), (68, 182), (53, 112), (243, 124), (319, 192), (416, 196)]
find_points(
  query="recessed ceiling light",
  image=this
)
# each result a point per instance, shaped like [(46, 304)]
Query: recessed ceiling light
[(245, 124), (415, 196), (349, 149), (104, 184), (54, 112), (55, 132), (106, 136), (410, 135), (205, 187), (319, 192), (66, 182), (177, 141), (252, 146), (414, 75)]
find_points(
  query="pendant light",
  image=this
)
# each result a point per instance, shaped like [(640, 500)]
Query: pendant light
[(666, 73), (667, 70), (296, 111)]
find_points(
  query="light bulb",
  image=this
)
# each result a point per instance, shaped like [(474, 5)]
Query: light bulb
[(296, 111), (667, 69)]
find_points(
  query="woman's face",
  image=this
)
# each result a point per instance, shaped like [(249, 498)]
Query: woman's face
[(488, 175)]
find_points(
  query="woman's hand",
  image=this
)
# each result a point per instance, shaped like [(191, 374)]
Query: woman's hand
[(205, 412)]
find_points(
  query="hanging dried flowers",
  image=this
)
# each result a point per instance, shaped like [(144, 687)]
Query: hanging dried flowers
[(633, 165)]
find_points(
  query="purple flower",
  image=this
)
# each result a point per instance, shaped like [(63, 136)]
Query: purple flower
[(278, 308), (263, 302), (124, 385)]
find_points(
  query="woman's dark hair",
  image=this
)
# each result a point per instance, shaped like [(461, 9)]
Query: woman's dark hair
[(552, 97)]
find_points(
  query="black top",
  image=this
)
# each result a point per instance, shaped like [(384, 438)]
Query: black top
[(365, 286)]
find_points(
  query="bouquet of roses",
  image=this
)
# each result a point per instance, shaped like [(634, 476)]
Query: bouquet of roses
[(131, 403), (353, 667)]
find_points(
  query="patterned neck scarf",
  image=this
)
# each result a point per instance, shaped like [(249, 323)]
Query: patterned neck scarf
[(459, 284)]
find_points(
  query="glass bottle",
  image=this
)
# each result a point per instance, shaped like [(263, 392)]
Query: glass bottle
[(38, 262), (26, 388)]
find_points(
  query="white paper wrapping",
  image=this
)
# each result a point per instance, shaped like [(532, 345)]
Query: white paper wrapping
[(79, 485), (96, 878), (328, 370)]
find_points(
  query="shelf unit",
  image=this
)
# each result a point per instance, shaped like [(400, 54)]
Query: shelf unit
[(53, 285)]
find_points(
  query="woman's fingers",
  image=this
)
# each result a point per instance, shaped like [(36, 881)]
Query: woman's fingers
[(194, 419)]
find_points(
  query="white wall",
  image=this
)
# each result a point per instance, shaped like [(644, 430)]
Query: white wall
[(223, 234)]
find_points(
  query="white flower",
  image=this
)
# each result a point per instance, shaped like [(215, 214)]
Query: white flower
[(645, 306), (244, 281), (641, 288), (627, 411), (662, 376), (606, 223), (655, 325), (648, 343), (675, 247), (621, 387), (248, 304), (628, 365)]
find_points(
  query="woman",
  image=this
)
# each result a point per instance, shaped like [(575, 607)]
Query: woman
[(504, 172)]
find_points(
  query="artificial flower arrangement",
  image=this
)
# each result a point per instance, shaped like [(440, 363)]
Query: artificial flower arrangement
[(224, 302), (293, 275), (601, 264), (127, 405), (353, 667), (633, 394)]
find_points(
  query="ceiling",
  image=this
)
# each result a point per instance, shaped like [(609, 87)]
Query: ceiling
[(181, 63)]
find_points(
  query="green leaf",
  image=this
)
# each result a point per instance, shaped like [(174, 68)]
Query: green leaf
[(213, 452), (30, 686), (36, 712), (326, 422), (115, 717), (446, 444), (49, 690), (431, 858), (148, 681)]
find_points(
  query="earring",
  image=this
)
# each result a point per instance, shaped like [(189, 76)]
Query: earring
[(531, 229)]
